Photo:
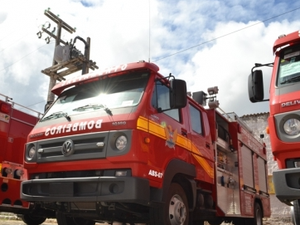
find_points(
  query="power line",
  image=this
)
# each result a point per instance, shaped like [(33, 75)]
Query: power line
[(7, 35), (35, 104), (180, 51), (22, 58), (15, 43), (230, 33)]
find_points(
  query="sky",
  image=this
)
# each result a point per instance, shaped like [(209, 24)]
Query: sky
[(205, 42)]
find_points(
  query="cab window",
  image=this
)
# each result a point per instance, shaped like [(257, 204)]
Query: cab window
[(195, 116), (161, 100)]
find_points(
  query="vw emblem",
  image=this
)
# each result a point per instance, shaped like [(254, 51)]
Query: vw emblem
[(67, 148)]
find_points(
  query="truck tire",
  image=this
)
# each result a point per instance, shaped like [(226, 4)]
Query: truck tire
[(62, 219), (176, 206), (31, 219), (258, 214), (175, 210), (295, 212)]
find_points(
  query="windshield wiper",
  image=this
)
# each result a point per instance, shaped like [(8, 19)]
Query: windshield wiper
[(56, 115), (108, 111), (89, 106), (293, 79), (94, 106)]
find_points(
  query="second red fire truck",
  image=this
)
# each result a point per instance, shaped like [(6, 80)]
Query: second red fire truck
[(284, 119), (128, 144), (16, 121)]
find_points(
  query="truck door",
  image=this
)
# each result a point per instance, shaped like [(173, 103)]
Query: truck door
[(166, 126), (201, 146)]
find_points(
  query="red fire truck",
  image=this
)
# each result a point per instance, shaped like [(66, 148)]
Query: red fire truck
[(127, 144), (16, 121), (284, 119)]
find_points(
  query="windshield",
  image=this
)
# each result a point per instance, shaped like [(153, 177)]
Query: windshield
[(106, 94), (289, 66)]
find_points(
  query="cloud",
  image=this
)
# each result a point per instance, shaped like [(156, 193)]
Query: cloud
[(189, 39), (228, 62)]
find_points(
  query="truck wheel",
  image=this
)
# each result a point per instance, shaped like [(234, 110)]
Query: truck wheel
[(31, 219), (62, 219), (257, 220), (295, 212), (176, 209)]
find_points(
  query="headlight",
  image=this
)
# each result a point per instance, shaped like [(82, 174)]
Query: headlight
[(31, 153), (292, 127), (121, 173), (121, 143), (297, 164), (19, 172)]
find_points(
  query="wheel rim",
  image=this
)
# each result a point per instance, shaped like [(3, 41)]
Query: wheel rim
[(177, 210)]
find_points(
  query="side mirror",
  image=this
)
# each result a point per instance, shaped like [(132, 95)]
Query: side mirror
[(178, 98), (256, 86)]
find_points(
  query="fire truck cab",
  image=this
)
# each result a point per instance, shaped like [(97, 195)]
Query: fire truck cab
[(128, 144), (284, 119)]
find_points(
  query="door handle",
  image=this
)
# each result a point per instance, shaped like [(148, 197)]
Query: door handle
[(184, 132), (207, 145)]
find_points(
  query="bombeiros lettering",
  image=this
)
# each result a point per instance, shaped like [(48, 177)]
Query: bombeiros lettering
[(94, 74), (73, 127)]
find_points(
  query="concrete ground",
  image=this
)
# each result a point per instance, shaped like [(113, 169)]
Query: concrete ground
[(12, 219)]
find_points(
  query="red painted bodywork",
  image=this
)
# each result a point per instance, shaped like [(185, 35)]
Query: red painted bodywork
[(149, 153), (15, 125), (282, 150)]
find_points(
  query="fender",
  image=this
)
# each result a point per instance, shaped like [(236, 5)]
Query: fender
[(175, 167)]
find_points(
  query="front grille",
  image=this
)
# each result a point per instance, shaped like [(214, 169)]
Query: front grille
[(88, 146), (79, 173)]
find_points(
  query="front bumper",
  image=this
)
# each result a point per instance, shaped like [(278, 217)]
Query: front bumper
[(87, 189), (287, 184)]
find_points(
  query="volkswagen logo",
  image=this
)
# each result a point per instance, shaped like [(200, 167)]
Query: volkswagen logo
[(67, 148)]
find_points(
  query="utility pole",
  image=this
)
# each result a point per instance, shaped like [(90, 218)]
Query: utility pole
[(66, 59)]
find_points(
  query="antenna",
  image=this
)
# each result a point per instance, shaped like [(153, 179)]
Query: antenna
[(149, 31)]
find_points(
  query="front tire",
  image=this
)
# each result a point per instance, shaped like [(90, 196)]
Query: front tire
[(177, 206), (174, 211), (31, 219), (295, 212)]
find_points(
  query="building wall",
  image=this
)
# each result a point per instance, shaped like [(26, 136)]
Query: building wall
[(258, 123)]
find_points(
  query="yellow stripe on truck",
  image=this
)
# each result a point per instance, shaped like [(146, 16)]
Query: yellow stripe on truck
[(158, 130), (142, 124), (205, 165)]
